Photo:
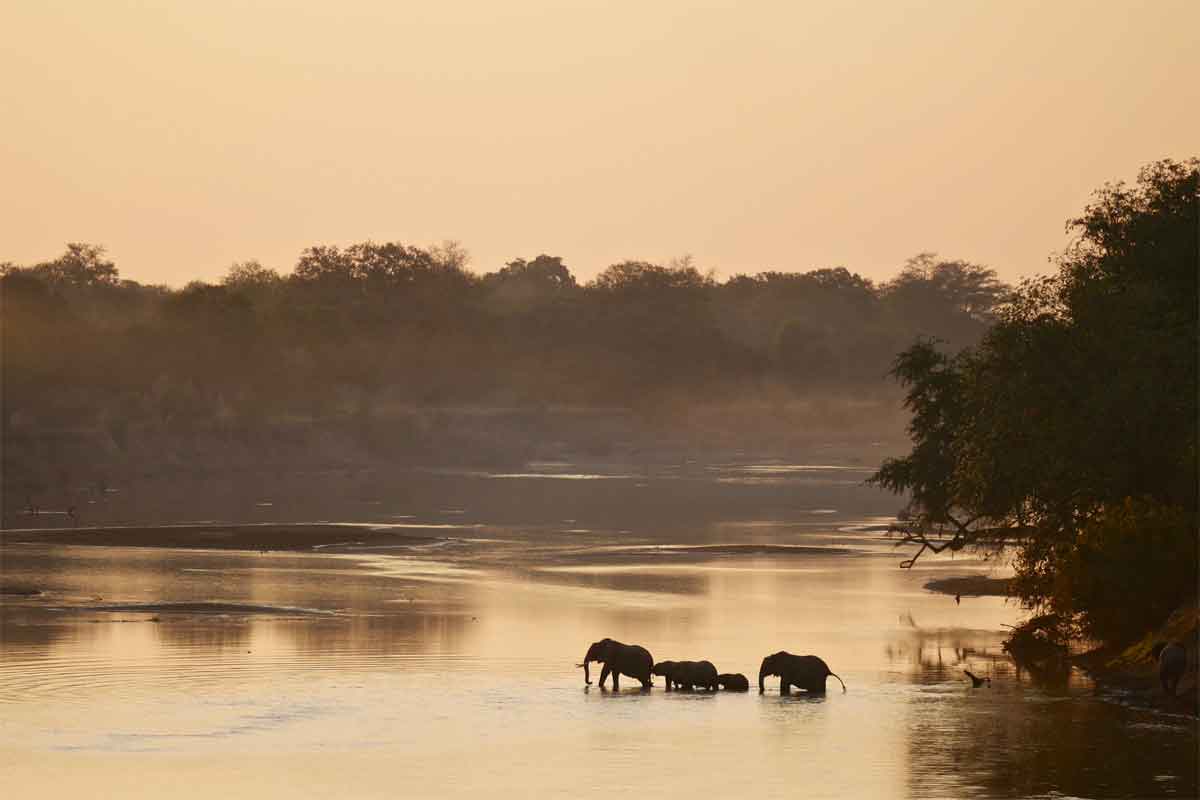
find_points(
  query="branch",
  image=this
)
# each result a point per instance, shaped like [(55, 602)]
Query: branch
[(956, 542)]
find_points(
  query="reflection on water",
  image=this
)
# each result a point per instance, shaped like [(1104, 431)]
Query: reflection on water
[(449, 670)]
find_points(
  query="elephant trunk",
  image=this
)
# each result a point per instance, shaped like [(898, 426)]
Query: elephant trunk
[(587, 676), (763, 671)]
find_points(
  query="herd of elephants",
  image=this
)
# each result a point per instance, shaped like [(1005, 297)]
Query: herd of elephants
[(807, 673), (804, 672)]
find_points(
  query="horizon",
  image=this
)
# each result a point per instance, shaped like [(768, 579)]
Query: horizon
[(772, 138)]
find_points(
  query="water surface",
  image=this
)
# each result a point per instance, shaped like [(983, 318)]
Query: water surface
[(446, 667)]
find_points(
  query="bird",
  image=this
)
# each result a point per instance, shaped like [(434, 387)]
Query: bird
[(976, 681)]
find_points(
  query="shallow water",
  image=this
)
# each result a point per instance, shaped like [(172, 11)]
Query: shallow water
[(447, 668)]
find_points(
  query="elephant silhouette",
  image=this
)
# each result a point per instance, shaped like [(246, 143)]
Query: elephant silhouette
[(619, 659), (1172, 663), (688, 674), (803, 672), (733, 682)]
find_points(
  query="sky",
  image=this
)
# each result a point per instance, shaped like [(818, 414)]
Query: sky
[(185, 136)]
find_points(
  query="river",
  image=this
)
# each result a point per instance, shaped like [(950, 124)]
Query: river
[(446, 666)]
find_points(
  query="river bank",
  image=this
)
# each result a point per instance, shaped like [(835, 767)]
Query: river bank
[(1132, 671), (1128, 671)]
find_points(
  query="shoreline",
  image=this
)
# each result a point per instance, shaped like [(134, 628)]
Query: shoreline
[(970, 586), (1128, 672)]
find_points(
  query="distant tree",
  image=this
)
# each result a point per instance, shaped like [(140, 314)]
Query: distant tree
[(82, 265), (545, 271), (968, 288), (642, 276), (521, 285), (326, 264), (450, 255), (388, 265), (251, 276)]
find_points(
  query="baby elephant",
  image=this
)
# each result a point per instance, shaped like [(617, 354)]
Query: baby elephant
[(687, 674), (733, 682), (1172, 663)]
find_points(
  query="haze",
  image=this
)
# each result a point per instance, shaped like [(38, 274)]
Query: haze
[(185, 136)]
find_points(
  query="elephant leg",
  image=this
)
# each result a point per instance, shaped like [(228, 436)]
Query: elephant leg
[(616, 680), (604, 676), (785, 687), (646, 684)]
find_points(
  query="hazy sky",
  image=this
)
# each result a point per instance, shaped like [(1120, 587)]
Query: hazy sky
[(187, 135)]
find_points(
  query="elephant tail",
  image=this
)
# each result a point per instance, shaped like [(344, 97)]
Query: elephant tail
[(842, 682)]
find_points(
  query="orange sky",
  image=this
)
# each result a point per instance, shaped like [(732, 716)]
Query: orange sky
[(187, 135)]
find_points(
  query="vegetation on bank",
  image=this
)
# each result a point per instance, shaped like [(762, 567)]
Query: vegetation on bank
[(1068, 433), (377, 349), (354, 328)]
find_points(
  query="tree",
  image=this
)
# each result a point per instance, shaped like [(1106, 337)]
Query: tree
[(968, 288), (1075, 413), (521, 285), (251, 276), (82, 265)]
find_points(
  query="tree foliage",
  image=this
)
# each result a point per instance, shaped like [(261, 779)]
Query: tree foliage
[(1069, 431)]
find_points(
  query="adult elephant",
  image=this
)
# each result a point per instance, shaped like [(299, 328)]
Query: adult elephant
[(619, 659), (1172, 663), (803, 672)]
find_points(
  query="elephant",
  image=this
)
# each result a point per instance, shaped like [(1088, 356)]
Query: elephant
[(733, 682), (665, 669), (1172, 663), (688, 674), (619, 659), (803, 672)]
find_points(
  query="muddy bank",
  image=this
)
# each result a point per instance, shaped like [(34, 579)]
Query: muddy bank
[(1132, 672), (971, 586), (1129, 673)]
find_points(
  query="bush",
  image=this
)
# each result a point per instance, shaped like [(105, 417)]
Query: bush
[(1128, 569)]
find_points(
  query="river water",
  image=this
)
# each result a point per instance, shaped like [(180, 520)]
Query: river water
[(446, 667)]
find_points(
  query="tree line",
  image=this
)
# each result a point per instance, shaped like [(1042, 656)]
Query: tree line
[(353, 330)]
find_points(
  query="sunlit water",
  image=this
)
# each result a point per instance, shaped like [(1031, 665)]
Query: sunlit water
[(447, 668)]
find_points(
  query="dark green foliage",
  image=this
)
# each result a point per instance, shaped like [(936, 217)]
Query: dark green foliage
[(1070, 429)]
